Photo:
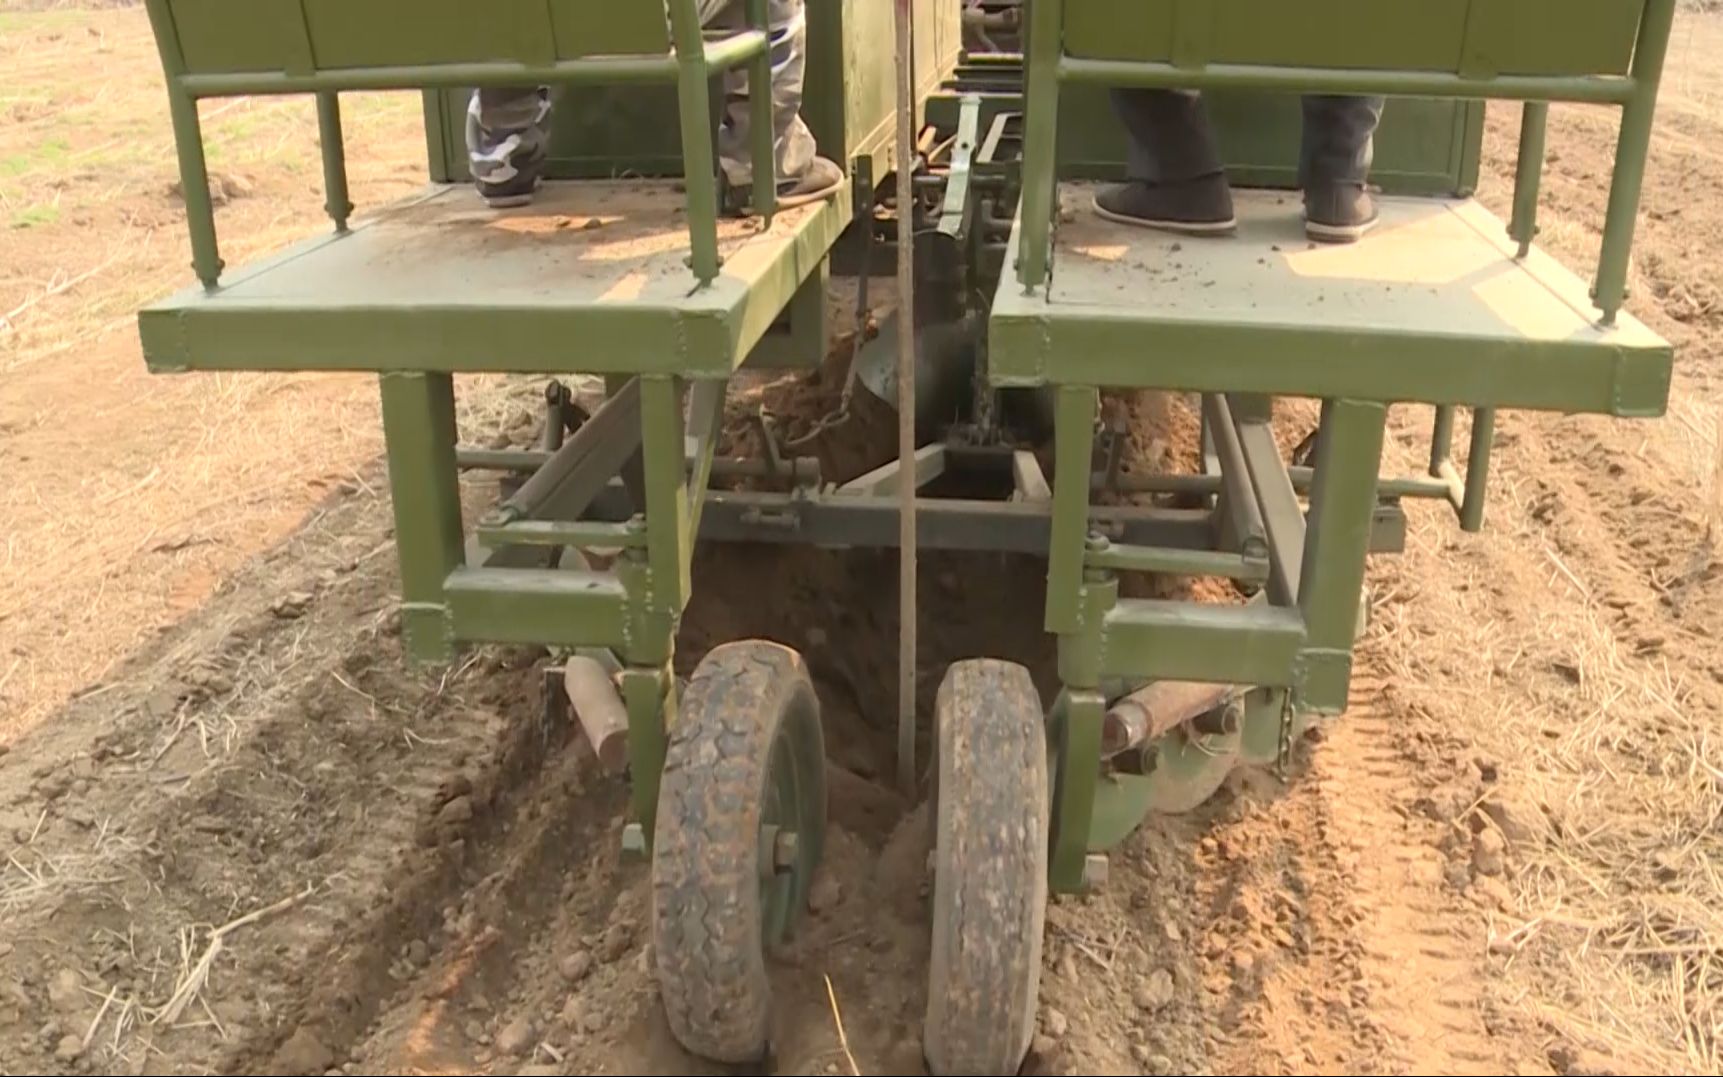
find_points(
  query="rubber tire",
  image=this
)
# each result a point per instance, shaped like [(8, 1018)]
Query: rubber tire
[(990, 870), (707, 933)]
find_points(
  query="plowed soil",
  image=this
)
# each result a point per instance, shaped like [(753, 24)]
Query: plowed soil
[(240, 832)]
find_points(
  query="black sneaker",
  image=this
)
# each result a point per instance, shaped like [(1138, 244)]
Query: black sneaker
[(1199, 207), (1338, 213)]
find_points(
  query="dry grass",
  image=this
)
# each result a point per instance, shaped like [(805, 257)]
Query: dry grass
[(1611, 765), (141, 491)]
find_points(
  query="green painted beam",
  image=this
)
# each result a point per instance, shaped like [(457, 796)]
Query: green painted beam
[(1590, 89), (550, 606), (1153, 639), (1031, 345)]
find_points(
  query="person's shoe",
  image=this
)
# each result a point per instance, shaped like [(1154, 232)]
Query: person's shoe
[(511, 174), (819, 181), (1338, 213), (1199, 207)]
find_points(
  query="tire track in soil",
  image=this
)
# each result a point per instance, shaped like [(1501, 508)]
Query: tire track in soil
[(1334, 947)]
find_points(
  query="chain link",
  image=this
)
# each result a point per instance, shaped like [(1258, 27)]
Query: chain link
[(1283, 758)]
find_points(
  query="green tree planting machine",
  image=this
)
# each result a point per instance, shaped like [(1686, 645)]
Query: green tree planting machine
[(1025, 307)]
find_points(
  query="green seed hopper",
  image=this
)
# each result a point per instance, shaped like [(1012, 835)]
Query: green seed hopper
[(1027, 306)]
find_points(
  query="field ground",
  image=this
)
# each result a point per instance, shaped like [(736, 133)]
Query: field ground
[(242, 834)]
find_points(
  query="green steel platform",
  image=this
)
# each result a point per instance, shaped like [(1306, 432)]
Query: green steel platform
[(1433, 306), (593, 277)]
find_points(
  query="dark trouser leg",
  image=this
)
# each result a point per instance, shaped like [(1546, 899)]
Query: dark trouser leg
[(1338, 150), (1176, 180)]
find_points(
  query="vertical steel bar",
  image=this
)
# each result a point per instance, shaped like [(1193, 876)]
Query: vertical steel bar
[(760, 121), (1074, 449), (339, 205), (194, 182), (1631, 151), (906, 491), (1442, 438), (698, 154), (419, 430), (650, 695), (1528, 174), (667, 537), (1074, 792), (1478, 469), (1040, 164), (1342, 504)]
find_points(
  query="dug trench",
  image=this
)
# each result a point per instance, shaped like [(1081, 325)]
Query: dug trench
[(272, 844)]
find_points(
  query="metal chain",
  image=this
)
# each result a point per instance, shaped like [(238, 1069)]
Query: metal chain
[(1284, 755)]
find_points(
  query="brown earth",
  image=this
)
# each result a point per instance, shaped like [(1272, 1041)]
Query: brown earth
[(242, 833)]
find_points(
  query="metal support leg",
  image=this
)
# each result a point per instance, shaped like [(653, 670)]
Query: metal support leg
[(419, 428), (650, 694), (194, 183), (1631, 151), (1074, 448), (1079, 732), (1342, 503), (1528, 175), (339, 205), (668, 542)]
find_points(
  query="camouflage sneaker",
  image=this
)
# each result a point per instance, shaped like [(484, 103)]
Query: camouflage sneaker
[(510, 174), (1199, 207), (1338, 213)]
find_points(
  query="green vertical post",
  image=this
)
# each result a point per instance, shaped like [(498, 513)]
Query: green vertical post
[(649, 693), (340, 207), (1632, 148), (419, 430), (1528, 174), (1442, 438), (700, 167), (1342, 505), (1478, 469), (1079, 760), (668, 540), (760, 119), (1074, 448), (1040, 143), (194, 181)]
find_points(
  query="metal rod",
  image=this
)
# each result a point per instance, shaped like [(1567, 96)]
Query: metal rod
[(717, 56), (1528, 174), (1173, 561), (906, 398), (1442, 442), (598, 706), (339, 205), (587, 460), (1631, 150), (1591, 89), (1243, 511), (1478, 469), (1157, 709)]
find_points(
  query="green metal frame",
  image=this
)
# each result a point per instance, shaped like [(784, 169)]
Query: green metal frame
[(210, 48), (1295, 643), (1572, 59)]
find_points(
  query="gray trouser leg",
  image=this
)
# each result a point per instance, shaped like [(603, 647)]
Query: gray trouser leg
[(787, 22), (507, 127), (1339, 135), (503, 122), (1169, 139)]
